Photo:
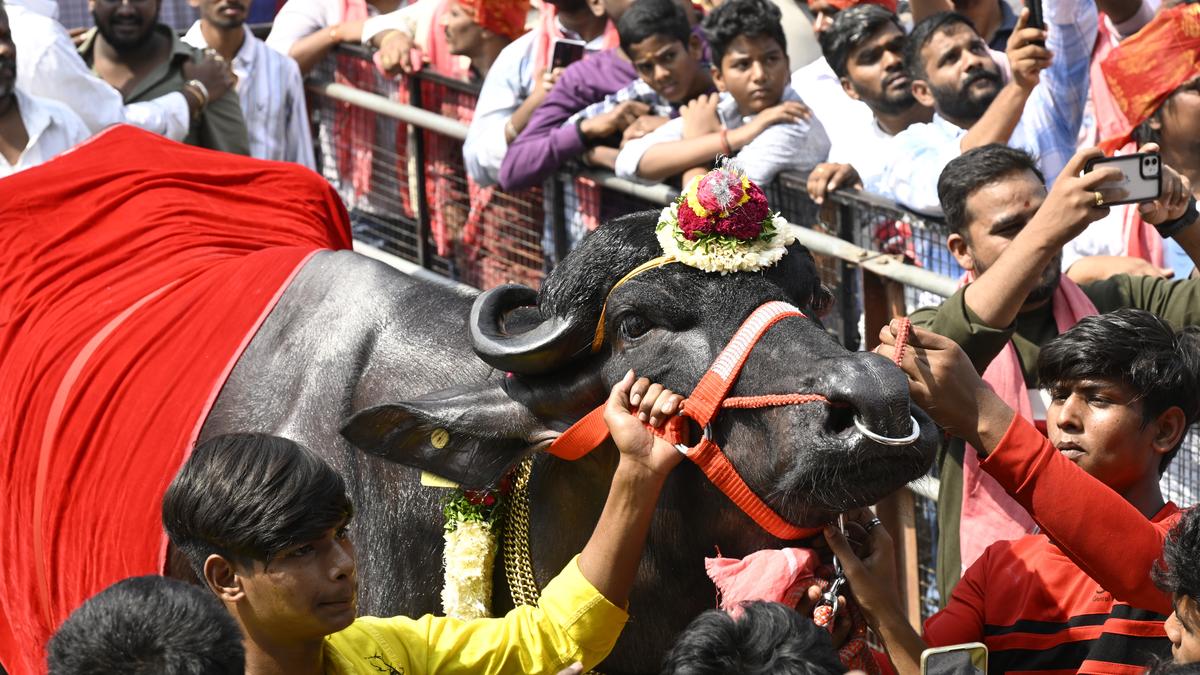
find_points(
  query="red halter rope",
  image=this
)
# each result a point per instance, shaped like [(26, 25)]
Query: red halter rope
[(702, 406)]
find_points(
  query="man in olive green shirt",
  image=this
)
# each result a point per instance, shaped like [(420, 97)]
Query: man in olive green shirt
[(143, 60), (1008, 233)]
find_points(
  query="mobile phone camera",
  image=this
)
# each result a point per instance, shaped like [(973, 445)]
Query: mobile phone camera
[(1150, 166)]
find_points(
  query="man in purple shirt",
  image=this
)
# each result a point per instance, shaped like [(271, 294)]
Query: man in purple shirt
[(546, 143)]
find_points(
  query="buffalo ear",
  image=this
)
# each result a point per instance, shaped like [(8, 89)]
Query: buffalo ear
[(468, 434)]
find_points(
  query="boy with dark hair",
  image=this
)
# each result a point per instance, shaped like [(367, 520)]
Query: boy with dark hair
[(758, 119), (1125, 387), (264, 520), (148, 626), (767, 638), (669, 60), (1178, 573)]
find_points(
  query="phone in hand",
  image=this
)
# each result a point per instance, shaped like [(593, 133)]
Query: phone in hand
[(1035, 18), (1141, 176), (965, 659), (566, 52)]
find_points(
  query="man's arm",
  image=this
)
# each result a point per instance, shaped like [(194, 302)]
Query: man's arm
[(945, 384), (541, 148), (998, 294), (702, 141), (579, 615), (60, 74), (1054, 112), (798, 146), (223, 127)]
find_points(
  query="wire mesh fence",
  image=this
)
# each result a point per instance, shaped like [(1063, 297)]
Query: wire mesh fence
[(408, 194)]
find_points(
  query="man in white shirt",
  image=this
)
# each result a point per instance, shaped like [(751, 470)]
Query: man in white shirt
[(865, 48), (307, 30), (269, 85), (51, 68), (32, 130)]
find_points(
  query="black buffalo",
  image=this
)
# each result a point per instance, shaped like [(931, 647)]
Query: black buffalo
[(357, 348)]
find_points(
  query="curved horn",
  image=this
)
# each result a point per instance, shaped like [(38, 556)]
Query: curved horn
[(544, 348)]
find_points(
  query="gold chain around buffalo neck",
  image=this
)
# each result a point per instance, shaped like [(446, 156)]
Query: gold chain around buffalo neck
[(518, 562)]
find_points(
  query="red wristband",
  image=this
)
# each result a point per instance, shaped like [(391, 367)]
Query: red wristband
[(725, 148)]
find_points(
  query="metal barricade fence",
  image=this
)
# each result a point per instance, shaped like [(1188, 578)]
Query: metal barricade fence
[(393, 149)]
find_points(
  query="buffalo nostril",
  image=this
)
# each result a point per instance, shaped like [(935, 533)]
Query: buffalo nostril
[(839, 419)]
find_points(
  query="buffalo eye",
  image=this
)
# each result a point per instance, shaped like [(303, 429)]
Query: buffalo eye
[(822, 302), (633, 326)]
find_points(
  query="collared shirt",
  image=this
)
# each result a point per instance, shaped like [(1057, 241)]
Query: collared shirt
[(571, 622), (507, 85), (1048, 128), (271, 92), (218, 127), (795, 146), (300, 18), (49, 66), (52, 128)]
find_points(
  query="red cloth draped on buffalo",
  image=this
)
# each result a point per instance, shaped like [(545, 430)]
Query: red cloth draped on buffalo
[(133, 272)]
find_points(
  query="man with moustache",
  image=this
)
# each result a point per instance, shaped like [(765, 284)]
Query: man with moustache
[(143, 60), (1040, 109), (32, 129), (269, 85), (1008, 233), (864, 48)]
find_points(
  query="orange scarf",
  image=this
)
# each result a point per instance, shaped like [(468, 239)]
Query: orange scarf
[(1145, 69)]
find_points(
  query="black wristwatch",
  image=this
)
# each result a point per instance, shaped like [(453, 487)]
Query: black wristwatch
[(1171, 228)]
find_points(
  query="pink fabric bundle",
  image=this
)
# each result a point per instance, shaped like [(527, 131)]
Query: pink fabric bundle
[(784, 576)]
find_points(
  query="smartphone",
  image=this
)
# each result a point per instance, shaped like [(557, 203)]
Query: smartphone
[(965, 659), (1035, 15), (566, 52), (1141, 176)]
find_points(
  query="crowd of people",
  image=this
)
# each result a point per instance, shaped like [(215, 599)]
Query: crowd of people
[(1065, 370)]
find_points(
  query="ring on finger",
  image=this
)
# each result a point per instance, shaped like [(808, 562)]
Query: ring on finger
[(872, 524), (1099, 198)]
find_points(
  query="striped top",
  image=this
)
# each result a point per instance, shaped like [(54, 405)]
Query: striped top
[(271, 92)]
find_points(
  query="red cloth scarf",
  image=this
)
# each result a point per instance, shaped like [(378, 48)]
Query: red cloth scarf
[(133, 272), (1145, 69), (503, 17), (988, 513)]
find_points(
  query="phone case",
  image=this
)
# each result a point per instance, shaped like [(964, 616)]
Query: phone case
[(1142, 178)]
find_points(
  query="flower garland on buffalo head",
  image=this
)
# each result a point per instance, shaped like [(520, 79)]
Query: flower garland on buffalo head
[(722, 223)]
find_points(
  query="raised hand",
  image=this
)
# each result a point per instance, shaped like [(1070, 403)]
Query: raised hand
[(633, 404), (1027, 53)]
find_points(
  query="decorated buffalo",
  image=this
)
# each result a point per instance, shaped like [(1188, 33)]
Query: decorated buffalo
[(466, 385)]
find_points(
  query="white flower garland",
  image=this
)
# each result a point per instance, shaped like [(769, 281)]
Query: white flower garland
[(469, 556), (735, 256)]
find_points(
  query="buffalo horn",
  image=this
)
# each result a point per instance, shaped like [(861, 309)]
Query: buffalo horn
[(545, 347)]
